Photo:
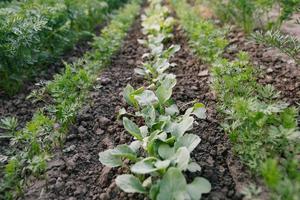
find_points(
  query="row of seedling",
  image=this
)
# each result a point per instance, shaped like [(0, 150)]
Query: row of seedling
[(161, 149)]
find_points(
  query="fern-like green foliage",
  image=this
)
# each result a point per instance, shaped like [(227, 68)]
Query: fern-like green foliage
[(36, 32), (67, 92), (286, 43), (252, 14)]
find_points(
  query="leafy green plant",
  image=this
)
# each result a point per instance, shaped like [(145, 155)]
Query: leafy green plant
[(161, 148), (255, 14), (65, 96), (263, 130), (10, 125), (287, 44), (35, 32), (207, 41)]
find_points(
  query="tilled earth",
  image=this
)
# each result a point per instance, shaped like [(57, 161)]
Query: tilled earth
[(75, 171)]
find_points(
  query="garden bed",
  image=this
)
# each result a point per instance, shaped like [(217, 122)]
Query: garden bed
[(75, 171)]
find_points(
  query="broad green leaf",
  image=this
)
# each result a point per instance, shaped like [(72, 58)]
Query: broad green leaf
[(161, 65), (162, 136), (135, 145), (154, 191), (198, 187), (106, 158), (194, 167), (124, 151), (164, 91), (169, 81), (172, 110), (144, 131), (199, 110), (163, 94), (171, 51), (165, 151), (162, 164), (146, 98), (183, 126), (172, 186), (130, 184), (132, 128), (145, 166), (148, 114), (127, 94), (122, 112), (190, 141), (182, 158)]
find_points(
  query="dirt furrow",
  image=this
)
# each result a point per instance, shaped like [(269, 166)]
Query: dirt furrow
[(193, 83)]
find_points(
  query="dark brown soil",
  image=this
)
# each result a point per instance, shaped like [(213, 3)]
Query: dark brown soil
[(277, 69), (76, 173)]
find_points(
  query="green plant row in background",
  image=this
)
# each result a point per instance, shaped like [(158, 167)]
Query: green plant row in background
[(251, 15), (160, 151), (263, 130), (254, 14), (67, 93), (35, 32)]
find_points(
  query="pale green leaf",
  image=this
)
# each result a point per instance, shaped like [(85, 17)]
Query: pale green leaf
[(173, 185), (199, 110), (130, 184), (145, 166), (194, 167), (106, 158), (146, 98), (182, 158), (165, 151), (189, 141), (198, 187), (132, 128)]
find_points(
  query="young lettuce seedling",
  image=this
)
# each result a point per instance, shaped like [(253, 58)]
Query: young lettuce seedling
[(160, 151)]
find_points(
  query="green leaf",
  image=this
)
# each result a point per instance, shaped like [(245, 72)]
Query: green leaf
[(135, 145), (127, 94), (122, 112), (146, 98), (165, 151), (132, 128), (162, 164), (194, 167), (124, 151), (182, 158), (198, 187), (172, 186), (190, 141), (183, 126), (144, 131), (130, 184), (199, 110), (106, 158), (172, 110), (161, 65), (144, 166), (164, 91), (163, 94), (154, 191), (148, 114)]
